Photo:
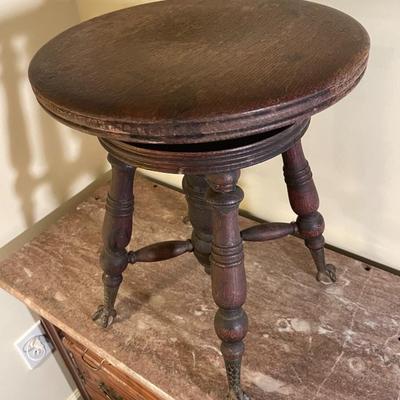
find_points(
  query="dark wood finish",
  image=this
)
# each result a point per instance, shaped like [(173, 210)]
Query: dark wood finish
[(160, 251), (202, 88), (206, 158), (304, 200), (268, 231), (117, 231), (56, 338), (228, 275), (199, 212), (199, 70)]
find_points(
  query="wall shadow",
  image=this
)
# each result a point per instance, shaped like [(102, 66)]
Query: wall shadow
[(40, 153), (35, 141)]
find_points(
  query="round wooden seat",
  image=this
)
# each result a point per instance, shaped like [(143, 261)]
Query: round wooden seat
[(199, 70)]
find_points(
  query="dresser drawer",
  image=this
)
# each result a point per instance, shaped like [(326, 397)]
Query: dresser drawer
[(104, 391), (101, 379)]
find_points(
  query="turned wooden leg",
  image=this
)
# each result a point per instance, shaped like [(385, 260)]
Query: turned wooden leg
[(228, 275), (195, 188), (117, 231), (304, 200)]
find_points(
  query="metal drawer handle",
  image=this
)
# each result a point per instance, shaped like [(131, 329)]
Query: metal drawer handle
[(108, 392), (90, 365)]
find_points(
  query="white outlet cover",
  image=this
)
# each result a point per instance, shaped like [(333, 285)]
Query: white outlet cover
[(33, 346)]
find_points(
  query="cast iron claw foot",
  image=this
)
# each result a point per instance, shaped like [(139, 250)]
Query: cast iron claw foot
[(104, 316), (237, 395), (328, 276)]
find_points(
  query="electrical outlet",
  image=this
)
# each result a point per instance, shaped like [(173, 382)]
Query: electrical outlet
[(33, 346)]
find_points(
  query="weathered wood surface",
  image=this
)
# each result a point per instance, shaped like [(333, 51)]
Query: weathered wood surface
[(228, 275), (303, 197), (206, 158), (230, 84), (116, 235), (160, 251), (199, 70), (268, 231)]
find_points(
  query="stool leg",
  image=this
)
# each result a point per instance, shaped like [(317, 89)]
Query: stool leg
[(304, 200), (195, 188), (228, 275), (117, 231)]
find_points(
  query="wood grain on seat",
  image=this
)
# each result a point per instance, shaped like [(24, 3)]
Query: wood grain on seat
[(182, 71)]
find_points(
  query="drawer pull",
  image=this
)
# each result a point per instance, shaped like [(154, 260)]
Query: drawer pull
[(108, 392), (90, 365)]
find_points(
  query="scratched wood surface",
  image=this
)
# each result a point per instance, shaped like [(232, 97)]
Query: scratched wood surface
[(199, 70), (306, 341)]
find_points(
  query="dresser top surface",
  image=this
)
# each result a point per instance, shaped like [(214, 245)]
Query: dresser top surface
[(300, 332)]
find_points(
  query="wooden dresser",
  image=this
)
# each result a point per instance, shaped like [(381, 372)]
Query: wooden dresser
[(94, 376)]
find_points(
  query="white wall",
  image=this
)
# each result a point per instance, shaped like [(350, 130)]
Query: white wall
[(352, 147), (91, 8), (49, 381), (353, 150), (42, 164)]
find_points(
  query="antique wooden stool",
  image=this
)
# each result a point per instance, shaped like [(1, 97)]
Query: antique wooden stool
[(203, 88)]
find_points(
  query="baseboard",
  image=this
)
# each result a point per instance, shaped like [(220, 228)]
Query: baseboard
[(75, 395)]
